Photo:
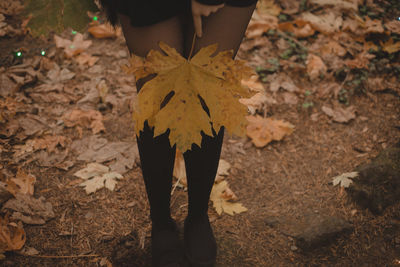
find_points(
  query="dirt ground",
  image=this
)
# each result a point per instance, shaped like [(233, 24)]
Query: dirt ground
[(283, 182)]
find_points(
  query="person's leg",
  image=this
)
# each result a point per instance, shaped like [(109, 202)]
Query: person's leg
[(156, 155), (225, 27)]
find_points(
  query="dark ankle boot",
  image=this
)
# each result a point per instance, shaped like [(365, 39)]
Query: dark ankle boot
[(201, 168), (157, 162)]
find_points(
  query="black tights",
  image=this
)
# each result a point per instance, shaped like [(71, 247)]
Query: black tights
[(225, 27)]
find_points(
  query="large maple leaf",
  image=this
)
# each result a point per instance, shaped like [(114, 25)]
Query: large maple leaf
[(214, 79)]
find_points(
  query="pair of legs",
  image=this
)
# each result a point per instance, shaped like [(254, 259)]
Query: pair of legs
[(225, 27)]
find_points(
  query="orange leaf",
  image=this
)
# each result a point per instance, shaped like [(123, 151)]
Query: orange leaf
[(12, 235), (299, 28), (264, 130), (390, 46), (25, 182), (104, 31), (315, 66)]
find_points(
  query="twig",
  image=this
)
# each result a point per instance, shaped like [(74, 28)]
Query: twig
[(192, 48), (61, 257)]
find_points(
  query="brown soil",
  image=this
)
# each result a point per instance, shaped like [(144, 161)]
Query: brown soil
[(285, 180)]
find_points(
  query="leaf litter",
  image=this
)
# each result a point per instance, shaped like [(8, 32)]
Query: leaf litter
[(97, 176)]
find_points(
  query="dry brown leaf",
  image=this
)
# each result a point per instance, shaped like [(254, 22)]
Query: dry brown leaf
[(315, 67), (390, 46), (257, 28), (373, 26), (50, 142), (86, 59), (339, 114), (25, 183), (12, 235), (74, 47), (332, 48), (104, 31), (92, 119), (342, 4), (180, 171), (299, 28), (361, 61), (253, 83), (256, 102), (179, 168), (289, 6), (393, 26), (264, 130), (290, 98), (283, 81), (327, 23), (268, 7), (221, 197), (30, 210)]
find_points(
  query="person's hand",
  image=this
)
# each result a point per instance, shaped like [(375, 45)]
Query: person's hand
[(199, 10)]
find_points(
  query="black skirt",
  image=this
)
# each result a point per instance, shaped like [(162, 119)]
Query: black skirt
[(148, 12)]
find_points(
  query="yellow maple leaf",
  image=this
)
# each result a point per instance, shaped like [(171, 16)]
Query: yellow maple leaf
[(220, 196), (214, 79)]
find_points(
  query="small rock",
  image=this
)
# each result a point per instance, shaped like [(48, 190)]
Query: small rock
[(319, 230), (293, 248), (378, 184)]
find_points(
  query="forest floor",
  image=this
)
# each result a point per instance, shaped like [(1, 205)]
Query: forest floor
[(282, 184)]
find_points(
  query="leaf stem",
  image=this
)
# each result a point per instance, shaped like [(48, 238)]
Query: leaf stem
[(192, 48)]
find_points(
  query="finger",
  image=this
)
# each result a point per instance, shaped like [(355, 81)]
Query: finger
[(197, 25)]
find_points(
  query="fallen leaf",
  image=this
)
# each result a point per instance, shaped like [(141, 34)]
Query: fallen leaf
[(214, 80), (220, 196), (283, 81), (290, 98), (339, 114), (104, 31), (327, 23), (393, 26), (344, 179), (179, 168), (256, 102), (85, 118), (12, 235), (342, 4), (268, 7), (290, 7), (361, 61), (264, 130), (180, 172), (91, 170), (253, 84), (74, 47), (373, 26), (257, 28), (223, 170), (86, 59), (29, 209), (315, 67), (300, 28), (25, 183), (97, 176), (29, 251), (58, 75), (390, 46)]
